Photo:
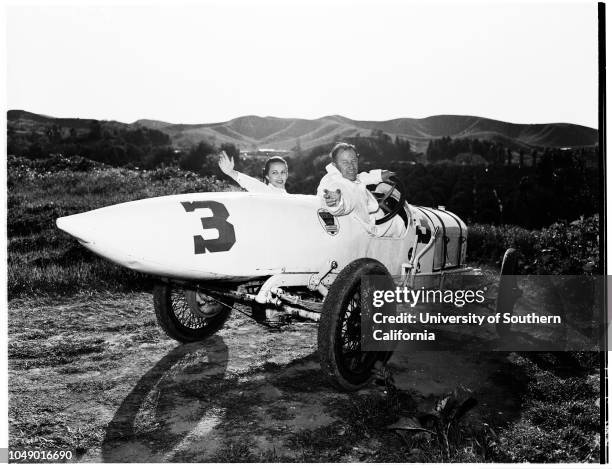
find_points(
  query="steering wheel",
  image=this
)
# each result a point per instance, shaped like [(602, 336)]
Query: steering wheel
[(381, 198)]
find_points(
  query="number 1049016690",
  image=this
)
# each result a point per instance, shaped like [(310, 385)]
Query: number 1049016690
[(39, 455)]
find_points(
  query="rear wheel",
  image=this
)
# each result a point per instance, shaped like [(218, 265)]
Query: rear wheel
[(339, 336), (188, 315)]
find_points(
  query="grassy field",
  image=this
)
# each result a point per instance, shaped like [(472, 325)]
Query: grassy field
[(90, 371)]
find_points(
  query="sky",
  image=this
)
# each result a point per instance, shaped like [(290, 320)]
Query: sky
[(369, 60)]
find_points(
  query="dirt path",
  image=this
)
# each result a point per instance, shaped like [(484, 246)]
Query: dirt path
[(95, 375)]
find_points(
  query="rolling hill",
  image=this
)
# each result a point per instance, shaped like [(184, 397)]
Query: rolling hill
[(253, 132)]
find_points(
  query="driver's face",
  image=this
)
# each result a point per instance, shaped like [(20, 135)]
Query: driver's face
[(347, 163)]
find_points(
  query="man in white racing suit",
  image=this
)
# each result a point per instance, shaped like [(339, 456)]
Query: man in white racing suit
[(343, 191)]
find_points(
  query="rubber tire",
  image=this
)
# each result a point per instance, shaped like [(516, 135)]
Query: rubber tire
[(170, 323), (334, 306), (507, 293)]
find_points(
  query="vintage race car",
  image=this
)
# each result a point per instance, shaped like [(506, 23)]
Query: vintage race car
[(286, 256)]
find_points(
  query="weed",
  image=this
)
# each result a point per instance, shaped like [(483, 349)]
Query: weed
[(560, 421)]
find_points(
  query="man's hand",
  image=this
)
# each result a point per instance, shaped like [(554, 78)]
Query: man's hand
[(332, 198), (226, 163), (386, 175)]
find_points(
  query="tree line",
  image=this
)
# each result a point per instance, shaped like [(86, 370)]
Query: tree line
[(482, 181), (556, 184), (476, 151), (108, 143)]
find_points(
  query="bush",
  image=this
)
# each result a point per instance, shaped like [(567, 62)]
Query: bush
[(562, 248), (19, 166)]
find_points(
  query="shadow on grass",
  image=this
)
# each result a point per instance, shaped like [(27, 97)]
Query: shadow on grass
[(188, 409), (159, 395)]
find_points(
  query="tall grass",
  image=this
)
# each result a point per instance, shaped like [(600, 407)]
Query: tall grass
[(560, 412)]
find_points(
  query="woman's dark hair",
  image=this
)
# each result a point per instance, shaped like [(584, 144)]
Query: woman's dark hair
[(340, 146), (269, 161)]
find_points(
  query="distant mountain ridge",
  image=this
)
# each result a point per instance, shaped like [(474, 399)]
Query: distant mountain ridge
[(252, 132), (284, 134)]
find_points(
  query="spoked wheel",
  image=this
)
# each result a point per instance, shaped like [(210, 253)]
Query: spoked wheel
[(188, 315), (348, 343), (339, 336), (508, 291)]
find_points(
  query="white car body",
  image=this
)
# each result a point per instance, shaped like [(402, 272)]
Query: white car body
[(238, 236), (284, 256)]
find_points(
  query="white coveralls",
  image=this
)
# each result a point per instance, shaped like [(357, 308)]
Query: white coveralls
[(255, 185), (357, 200)]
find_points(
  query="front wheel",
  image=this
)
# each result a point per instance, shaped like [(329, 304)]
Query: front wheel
[(188, 315), (339, 337)]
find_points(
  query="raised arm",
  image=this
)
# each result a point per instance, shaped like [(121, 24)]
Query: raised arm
[(226, 164)]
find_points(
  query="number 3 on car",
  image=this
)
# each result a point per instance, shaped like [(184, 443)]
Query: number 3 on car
[(218, 220)]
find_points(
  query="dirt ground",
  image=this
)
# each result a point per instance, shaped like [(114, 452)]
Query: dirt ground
[(94, 374)]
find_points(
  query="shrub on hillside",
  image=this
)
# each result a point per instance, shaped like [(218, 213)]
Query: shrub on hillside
[(55, 162), (562, 248)]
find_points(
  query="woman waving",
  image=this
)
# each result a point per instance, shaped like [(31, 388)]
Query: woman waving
[(275, 174)]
